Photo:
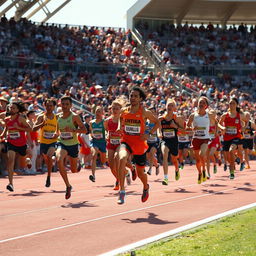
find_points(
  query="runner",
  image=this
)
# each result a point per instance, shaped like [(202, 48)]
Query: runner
[(200, 121), (84, 140), (32, 143), (184, 142), (16, 127), (153, 146), (47, 123), (248, 135), (98, 142), (213, 146), (231, 124), (69, 124), (170, 123), (132, 124), (114, 138)]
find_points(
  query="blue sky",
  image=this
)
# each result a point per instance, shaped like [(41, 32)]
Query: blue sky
[(87, 12)]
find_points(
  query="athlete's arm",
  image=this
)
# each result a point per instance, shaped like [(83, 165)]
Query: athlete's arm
[(190, 121), (153, 119), (159, 130), (180, 122), (120, 119), (39, 123), (81, 128), (253, 125), (106, 125), (221, 122), (3, 134), (26, 126)]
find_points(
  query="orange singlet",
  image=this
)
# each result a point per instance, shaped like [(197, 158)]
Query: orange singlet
[(133, 127)]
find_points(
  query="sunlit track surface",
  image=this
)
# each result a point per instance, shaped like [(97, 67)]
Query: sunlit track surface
[(38, 220)]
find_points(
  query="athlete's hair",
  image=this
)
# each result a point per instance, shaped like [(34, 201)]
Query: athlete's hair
[(206, 100), (140, 90), (65, 97), (30, 112), (171, 101), (20, 106), (99, 107), (238, 109), (121, 101), (53, 100)]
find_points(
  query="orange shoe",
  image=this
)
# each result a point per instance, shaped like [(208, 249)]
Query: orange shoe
[(116, 186)]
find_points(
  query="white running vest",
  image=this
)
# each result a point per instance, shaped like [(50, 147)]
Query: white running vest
[(202, 125)]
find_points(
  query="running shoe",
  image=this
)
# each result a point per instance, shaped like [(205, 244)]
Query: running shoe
[(68, 192), (145, 195), (208, 175), (204, 176), (116, 186), (28, 163), (214, 169), (165, 181), (237, 160), (157, 169), (177, 175), (134, 173), (248, 167), (149, 171), (181, 166), (242, 166), (225, 167), (121, 197), (200, 178), (128, 179), (48, 182), (92, 178), (232, 175), (10, 187)]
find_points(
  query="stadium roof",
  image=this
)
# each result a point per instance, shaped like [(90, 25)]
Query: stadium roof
[(28, 8), (195, 11)]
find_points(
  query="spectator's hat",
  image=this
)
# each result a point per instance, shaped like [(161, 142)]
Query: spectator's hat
[(4, 99)]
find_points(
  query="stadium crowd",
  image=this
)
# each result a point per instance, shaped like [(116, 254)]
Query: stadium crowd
[(97, 93), (68, 44), (202, 45)]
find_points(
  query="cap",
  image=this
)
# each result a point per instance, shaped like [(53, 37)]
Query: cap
[(4, 99)]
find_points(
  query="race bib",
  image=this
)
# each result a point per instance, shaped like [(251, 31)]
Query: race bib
[(152, 138), (200, 132), (66, 135), (231, 130), (247, 136), (14, 135), (132, 129), (48, 135), (115, 141), (183, 138), (97, 136), (169, 133)]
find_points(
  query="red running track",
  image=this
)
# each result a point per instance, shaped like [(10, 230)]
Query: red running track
[(38, 221)]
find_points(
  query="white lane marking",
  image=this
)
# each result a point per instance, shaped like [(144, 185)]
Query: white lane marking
[(92, 201), (175, 231), (97, 200), (108, 216)]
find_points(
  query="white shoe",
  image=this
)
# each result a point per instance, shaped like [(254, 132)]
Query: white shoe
[(28, 163)]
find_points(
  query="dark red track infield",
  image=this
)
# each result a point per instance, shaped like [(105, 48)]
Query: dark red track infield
[(35, 220)]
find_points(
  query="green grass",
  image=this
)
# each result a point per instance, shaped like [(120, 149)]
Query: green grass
[(234, 235)]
